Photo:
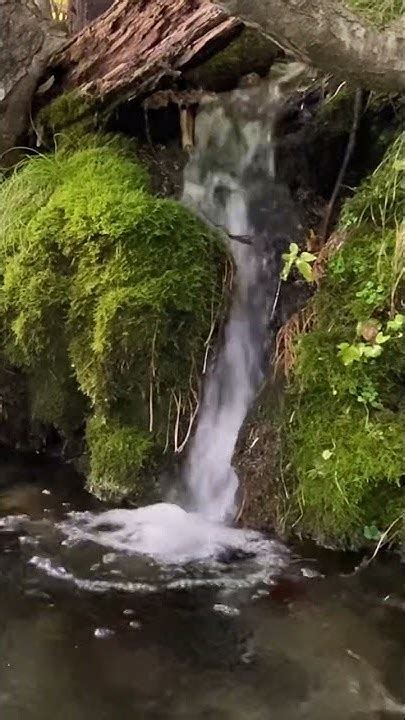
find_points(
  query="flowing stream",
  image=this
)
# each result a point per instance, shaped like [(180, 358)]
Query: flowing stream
[(169, 611)]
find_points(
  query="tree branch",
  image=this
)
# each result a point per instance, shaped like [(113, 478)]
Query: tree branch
[(329, 36)]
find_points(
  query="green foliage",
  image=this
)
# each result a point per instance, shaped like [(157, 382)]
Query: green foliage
[(344, 422), (65, 119), (379, 12), (301, 260), (380, 200), (342, 457), (106, 300), (371, 331)]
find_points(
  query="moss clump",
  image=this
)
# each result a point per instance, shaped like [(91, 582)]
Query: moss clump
[(345, 424), (66, 119), (118, 454), (106, 300)]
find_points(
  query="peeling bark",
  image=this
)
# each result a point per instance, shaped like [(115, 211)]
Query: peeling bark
[(136, 47), (329, 36)]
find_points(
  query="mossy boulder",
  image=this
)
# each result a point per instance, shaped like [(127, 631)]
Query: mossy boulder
[(107, 296), (343, 423)]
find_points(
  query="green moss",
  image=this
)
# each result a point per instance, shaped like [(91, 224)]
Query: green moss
[(344, 426), (66, 118), (117, 456), (106, 298)]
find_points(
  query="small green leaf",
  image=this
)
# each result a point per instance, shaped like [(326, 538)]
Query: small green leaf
[(308, 257), (371, 532), (397, 323), (349, 354), (381, 338), (305, 270), (288, 263), (372, 351), (293, 250)]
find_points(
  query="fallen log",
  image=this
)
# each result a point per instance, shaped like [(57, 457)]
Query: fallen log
[(136, 48), (154, 52)]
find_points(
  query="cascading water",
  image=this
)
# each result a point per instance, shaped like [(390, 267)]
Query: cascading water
[(229, 180), (232, 161)]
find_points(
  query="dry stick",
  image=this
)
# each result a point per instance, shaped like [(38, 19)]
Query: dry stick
[(168, 426), (349, 150), (153, 368), (275, 303), (190, 426), (382, 541), (177, 424)]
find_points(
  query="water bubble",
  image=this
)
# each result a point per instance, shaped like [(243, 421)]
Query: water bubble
[(102, 633), (226, 610)]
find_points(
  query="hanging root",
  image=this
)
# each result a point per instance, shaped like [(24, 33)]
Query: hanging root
[(177, 423), (193, 414), (169, 413), (153, 375), (358, 100)]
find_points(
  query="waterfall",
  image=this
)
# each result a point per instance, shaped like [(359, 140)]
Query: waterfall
[(229, 181)]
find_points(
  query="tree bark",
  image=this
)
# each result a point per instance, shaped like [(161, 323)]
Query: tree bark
[(329, 36), (29, 38), (137, 47)]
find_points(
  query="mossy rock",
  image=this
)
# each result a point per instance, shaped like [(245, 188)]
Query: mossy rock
[(343, 425), (106, 300)]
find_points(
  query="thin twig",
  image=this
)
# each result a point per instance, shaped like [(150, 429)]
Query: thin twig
[(273, 310), (151, 406), (166, 447), (382, 541), (349, 150), (190, 425), (177, 423)]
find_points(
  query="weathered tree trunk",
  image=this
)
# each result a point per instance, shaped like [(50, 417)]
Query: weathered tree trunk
[(138, 46), (330, 37), (29, 37)]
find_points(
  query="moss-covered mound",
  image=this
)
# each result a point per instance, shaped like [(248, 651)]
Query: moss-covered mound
[(344, 423), (107, 297)]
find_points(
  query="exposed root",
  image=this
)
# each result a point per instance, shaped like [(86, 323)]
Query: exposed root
[(166, 447), (177, 423), (241, 508), (193, 414)]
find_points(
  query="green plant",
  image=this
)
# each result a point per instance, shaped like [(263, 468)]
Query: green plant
[(107, 298), (371, 331), (301, 260), (371, 532), (343, 423)]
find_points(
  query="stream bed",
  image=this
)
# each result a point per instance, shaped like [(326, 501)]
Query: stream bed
[(87, 633)]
